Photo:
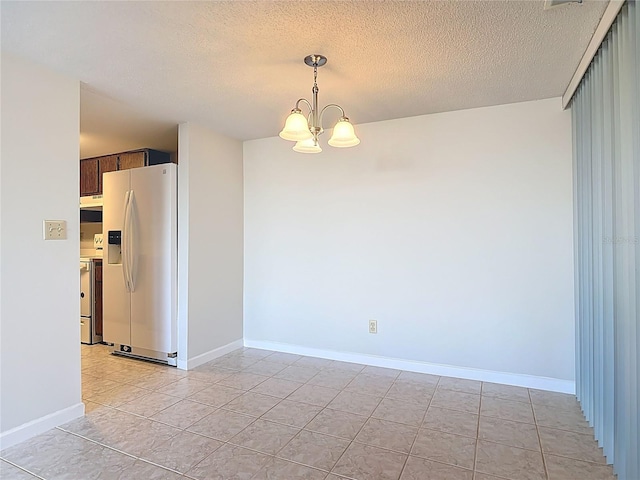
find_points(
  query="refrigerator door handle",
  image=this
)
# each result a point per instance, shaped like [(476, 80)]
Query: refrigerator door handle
[(131, 241), (123, 245)]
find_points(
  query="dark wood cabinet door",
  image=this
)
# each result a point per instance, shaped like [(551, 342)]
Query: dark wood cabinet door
[(97, 296), (107, 164), (132, 160), (89, 183), (92, 169)]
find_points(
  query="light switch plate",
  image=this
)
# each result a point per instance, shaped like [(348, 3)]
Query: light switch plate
[(54, 229)]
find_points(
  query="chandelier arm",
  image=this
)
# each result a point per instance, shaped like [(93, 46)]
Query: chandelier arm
[(304, 100), (334, 106), (295, 128)]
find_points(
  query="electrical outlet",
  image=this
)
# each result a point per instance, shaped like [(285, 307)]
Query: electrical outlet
[(54, 229), (373, 326)]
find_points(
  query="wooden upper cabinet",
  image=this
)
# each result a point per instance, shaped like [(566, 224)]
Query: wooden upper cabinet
[(132, 160), (106, 164), (91, 169), (89, 181)]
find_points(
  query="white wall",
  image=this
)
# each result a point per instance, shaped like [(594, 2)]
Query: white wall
[(210, 244), (39, 329), (453, 230)]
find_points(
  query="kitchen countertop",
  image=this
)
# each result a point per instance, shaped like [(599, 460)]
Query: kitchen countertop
[(90, 254), (86, 258)]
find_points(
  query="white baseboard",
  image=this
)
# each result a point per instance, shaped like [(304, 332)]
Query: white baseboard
[(506, 378), (40, 425), (210, 355)]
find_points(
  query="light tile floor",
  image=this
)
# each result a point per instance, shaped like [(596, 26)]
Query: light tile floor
[(256, 414)]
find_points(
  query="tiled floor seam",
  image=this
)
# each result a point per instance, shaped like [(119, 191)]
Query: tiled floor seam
[(416, 437), (456, 409), (492, 475), (228, 442), (475, 459), (507, 419), (120, 451), (350, 443), (577, 459), (159, 465), (22, 468), (96, 442), (133, 413), (535, 421), (328, 434), (475, 450), (288, 425), (440, 462), (297, 463), (276, 456), (565, 430)]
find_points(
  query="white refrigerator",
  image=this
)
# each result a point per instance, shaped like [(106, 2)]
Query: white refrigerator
[(140, 262)]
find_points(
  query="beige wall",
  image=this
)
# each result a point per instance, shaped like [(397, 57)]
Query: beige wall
[(210, 244), (87, 231), (39, 329)]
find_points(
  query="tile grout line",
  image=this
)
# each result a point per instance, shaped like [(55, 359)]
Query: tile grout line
[(475, 471), (228, 441), (404, 466), (21, 468), (351, 441), (475, 450), (164, 467), (535, 420)]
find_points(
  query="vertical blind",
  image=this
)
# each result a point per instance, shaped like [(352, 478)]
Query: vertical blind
[(606, 155)]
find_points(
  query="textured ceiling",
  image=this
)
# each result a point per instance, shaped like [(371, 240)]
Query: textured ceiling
[(237, 67)]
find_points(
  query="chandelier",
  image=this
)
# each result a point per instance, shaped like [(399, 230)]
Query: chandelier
[(305, 130)]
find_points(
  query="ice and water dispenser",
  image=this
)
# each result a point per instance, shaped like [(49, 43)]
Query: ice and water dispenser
[(114, 243)]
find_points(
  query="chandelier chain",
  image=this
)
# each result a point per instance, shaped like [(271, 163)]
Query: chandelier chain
[(315, 78)]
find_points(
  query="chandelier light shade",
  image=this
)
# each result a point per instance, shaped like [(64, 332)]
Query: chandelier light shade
[(343, 134), (305, 130), (307, 146), (296, 128)]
